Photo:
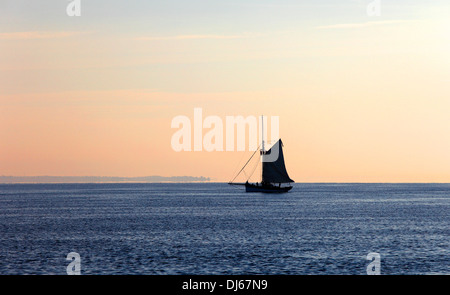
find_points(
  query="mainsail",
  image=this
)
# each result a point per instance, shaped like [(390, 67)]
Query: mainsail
[(273, 167)]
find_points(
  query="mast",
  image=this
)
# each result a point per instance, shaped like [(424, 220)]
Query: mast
[(262, 146), (262, 133)]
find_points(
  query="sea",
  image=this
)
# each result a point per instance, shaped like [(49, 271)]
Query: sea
[(217, 229)]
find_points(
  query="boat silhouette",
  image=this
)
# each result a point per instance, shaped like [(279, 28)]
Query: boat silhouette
[(274, 175)]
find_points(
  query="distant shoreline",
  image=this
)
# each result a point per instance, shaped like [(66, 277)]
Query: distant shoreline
[(101, 179)]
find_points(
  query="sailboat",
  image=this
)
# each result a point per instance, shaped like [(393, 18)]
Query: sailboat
[(274, 175)]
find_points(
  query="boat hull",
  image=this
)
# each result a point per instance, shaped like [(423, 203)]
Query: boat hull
[(258, 188)]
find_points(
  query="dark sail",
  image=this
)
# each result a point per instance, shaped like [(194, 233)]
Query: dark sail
[(273, 168)]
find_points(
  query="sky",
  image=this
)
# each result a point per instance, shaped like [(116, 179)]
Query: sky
[(360, 98)]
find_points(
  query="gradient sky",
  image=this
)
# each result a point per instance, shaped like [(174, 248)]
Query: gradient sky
[(360, 99)]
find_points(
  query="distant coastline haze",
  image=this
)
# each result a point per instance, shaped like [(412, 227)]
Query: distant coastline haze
[(99, 179)]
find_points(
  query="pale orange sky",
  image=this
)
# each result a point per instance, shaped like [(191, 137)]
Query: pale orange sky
[(360, 99)]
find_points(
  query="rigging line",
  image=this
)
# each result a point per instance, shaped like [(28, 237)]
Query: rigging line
[(238, 164), (246, 164), (253, 171)]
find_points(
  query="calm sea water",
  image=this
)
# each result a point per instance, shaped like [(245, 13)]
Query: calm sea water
[(218, 229)]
